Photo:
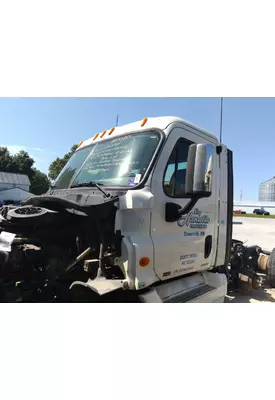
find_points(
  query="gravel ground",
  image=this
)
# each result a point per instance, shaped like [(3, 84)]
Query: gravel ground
[(254, 231), (263, 296)]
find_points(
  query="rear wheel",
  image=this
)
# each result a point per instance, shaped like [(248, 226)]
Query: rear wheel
[(271, 268)]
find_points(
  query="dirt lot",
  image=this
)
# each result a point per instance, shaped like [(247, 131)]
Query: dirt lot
[(263, 296), (255, 231)]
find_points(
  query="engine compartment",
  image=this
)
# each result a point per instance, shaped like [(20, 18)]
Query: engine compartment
[(53, 245), (56, 242)]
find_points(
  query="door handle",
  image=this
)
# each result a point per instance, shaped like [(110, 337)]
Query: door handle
[(207, 246)]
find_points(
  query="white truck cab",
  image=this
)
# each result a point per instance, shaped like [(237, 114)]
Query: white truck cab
[(144, 208), (173, 211)]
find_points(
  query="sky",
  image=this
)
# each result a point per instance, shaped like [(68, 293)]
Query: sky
[(47, 127)]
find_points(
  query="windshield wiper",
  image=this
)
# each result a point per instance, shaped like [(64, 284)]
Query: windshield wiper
[(92, 184)]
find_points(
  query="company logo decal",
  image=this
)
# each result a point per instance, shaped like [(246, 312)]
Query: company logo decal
[(194, 220)]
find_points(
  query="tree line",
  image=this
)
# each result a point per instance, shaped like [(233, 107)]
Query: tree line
[(23, 163)]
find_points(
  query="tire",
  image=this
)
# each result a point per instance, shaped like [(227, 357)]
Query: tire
[(28, 215), (27, 212), (271, 268)]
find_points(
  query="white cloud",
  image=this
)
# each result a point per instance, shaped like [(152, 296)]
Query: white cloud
[(35, 152), (37, 159), (16, 148)]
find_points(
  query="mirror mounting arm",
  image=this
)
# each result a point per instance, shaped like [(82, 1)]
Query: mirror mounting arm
[(188, 207), (173, 211)]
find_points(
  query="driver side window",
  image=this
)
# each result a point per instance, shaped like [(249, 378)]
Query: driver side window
[(175, 172)]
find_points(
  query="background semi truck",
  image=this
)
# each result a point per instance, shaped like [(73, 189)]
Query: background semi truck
[(140, 213)]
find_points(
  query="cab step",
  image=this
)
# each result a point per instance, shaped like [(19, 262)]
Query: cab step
[(205, 287)]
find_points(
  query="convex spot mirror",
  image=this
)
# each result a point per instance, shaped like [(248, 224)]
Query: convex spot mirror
[(199, 170)]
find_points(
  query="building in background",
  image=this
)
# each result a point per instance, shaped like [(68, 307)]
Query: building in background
[(267, 190), (14, 188)]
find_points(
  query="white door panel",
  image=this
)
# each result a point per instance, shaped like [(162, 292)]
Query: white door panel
[(180, 246)]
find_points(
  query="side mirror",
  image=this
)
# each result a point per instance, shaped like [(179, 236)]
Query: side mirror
[(198, 183), (199, 170)]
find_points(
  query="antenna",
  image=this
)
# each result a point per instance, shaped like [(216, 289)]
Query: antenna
[(116, 119), (221, 120)]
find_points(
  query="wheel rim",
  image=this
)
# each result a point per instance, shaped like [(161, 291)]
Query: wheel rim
[(28, 211)]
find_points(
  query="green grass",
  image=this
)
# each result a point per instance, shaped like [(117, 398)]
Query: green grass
[(254, 216)]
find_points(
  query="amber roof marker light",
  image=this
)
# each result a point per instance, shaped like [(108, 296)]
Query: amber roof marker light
[(111, 131), (144, 121)]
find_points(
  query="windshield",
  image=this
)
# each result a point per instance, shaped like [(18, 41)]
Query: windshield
[(120, 161)]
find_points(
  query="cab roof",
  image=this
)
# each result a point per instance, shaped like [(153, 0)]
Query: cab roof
[(145, 124)]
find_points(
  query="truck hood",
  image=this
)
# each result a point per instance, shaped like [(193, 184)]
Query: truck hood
[(86, 203)]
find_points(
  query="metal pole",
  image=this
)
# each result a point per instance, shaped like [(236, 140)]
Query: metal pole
[(221, 119)]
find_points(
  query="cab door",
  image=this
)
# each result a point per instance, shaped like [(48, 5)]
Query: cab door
[(190, 243)]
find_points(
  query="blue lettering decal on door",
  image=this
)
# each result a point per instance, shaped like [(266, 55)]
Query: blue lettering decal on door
[(194, 233)]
